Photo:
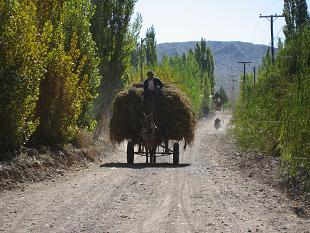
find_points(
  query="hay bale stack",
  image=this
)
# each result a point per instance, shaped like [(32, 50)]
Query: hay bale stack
[(172, 113)]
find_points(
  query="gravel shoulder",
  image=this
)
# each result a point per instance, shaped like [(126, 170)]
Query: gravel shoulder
[(205, 193)]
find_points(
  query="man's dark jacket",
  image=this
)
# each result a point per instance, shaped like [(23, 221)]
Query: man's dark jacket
[(157, 83)]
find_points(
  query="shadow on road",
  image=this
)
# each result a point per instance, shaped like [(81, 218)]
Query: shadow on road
[(143, 165)]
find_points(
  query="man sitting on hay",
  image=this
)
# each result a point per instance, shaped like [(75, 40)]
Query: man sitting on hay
[(151, 86)]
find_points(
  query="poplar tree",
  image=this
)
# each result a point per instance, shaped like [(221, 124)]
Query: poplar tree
[(135, 30), (76, 20), (296, 16), (70, 82), (150, 44), (204, 58), (22, 58), (111, 32)]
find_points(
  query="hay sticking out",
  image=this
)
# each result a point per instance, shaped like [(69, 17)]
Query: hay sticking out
[(172, 113)]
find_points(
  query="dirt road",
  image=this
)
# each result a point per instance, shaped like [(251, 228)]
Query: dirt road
[(203, 194)]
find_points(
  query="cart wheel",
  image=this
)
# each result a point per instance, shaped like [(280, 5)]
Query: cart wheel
[(176, 153), (140, 148), (130, 153), (153, 158)]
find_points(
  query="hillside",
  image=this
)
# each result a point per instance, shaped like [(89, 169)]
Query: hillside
[(226, 57)]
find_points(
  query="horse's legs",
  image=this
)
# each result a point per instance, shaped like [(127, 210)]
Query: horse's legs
[(153, 156), (140, 147), (166, 146), (147, 155)]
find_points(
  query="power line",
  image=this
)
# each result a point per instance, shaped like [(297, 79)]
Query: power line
[(257, 25), (270, 5), (279, 32), (255, 31), (272, 19)]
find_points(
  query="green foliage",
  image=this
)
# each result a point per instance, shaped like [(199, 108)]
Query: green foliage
[(76, 17), (62, 92), (204, 58), (186, 74), (49, 72), (49, 10), (296, 16), (57, 55), (256, 119), (22, 53), (111, 32), (295, 127), (150, 47), (69, 87), (135, 30), (274, 115)]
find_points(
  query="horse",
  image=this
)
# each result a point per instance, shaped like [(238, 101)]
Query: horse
[(217, 123), (150, 137), (218, 104)]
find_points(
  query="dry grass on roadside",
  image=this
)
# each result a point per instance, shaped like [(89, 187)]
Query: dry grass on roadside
[(83, 139)]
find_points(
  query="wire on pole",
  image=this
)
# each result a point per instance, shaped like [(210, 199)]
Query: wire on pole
[(271, 18)]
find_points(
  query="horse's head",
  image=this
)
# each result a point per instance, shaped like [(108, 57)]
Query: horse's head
[(149, 133), (148, 122)]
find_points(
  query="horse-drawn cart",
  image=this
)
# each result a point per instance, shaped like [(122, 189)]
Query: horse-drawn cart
[(160, 150), (152, 131), (151, 142)]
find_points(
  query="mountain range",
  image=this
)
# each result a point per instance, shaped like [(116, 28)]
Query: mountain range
[(226, 55)]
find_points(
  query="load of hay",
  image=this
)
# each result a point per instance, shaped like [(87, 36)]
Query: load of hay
[(172, 112)]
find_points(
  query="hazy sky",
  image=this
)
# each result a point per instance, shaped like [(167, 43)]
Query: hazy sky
[(224, 20)]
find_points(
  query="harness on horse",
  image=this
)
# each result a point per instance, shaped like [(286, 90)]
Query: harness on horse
[(149, 131)]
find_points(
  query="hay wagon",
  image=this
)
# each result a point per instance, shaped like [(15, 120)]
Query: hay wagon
[(174, 117), (136, 147)]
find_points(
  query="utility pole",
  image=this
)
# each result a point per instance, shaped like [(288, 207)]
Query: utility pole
[(233, 80), (244, 63), (233, 91), (272, 19), (254, 73), (141, 60)]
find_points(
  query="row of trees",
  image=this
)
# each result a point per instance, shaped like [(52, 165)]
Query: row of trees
[(56, 57), (273, 116), (63, 61)]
